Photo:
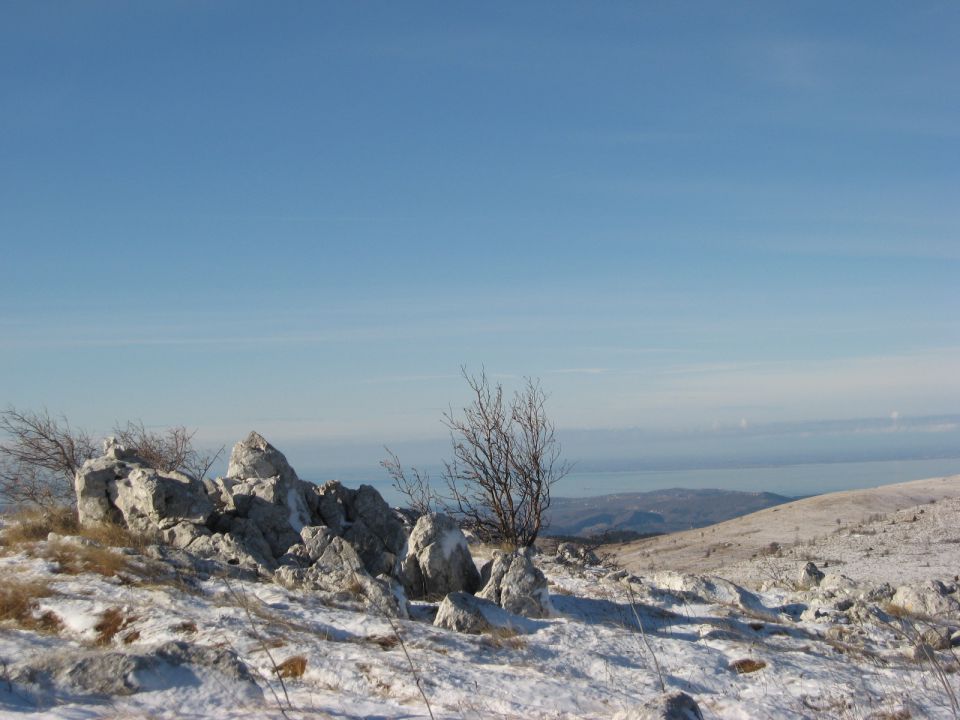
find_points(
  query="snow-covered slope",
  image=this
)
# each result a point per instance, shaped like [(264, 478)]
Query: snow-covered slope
[(161, 645)]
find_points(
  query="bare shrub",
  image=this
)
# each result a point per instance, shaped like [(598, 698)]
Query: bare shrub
[(505, 460), (42, 453), (413, 485), (171, 449), (40, 459)]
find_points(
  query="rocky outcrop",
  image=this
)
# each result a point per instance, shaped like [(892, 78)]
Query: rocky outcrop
[(438, 560), (120, 488), (260, 517), (517, 585)]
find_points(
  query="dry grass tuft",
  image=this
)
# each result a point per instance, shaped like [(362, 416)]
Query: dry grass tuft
[(292, 667), (185, 627), (386, 642), (112, 621), (76, 558), (117, 536), (30, 525), (18, 603), (747, 665)]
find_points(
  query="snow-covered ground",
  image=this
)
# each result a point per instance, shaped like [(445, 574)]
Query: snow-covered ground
[(615, 643)]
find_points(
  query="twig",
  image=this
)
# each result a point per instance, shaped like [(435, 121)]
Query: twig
[(242, 602), (643, 635)]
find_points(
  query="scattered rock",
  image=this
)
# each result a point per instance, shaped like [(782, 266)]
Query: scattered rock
[(517, 585), (465, 613), (574, 554), (438, 560), (810, 576), (928, 599), (670, 706)]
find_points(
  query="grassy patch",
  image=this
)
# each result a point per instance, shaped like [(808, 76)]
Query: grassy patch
[(19, 604), (111, 622), (75, 558), (292, 667), (747, 665)]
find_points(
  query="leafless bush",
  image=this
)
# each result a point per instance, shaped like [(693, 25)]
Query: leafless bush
[(171, 449), (505, 460), (413, 485), (40, 458), (42, 453)]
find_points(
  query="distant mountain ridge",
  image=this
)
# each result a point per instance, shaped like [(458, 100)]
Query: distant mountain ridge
[(657, 511)]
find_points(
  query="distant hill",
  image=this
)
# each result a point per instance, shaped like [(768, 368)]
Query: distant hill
[(658, 511)]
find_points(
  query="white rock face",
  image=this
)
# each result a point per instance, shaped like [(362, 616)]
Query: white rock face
[(517, 585), (928, 599), (438, 559), (127, 491), (252, 461)]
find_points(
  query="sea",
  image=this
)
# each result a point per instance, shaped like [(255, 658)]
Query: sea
[(795, 480)]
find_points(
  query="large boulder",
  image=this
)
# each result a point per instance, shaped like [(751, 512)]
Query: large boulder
[(438, 560), (120, 488), (465, 613), (517, 585), (928, 599), (810, 576)]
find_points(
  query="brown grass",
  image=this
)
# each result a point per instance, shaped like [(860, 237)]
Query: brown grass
[(31, 525), (18, 603), (112, 621), (292, 667), (76, 558), (386, 642), (747, 665)]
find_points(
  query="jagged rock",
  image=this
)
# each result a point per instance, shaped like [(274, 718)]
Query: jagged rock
[(263, 471), (339, 574), (465, 613), (810, 576), (438, 560), (574, 554), (694, 588), (929, 599), (375, 532), (670, 706), (517, 585), (126, 491)]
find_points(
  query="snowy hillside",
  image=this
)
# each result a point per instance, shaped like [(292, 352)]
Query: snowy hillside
[(98, 644)]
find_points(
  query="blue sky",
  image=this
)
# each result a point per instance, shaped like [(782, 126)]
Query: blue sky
[(305, 217)]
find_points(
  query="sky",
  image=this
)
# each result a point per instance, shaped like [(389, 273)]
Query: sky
[(306, 218)]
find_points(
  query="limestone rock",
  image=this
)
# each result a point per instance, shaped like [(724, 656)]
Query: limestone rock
[(111, 490), (438, 559), (810, 576), (929, 599), (465, 613), (253, 458), (574, 554), (517, 585)]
